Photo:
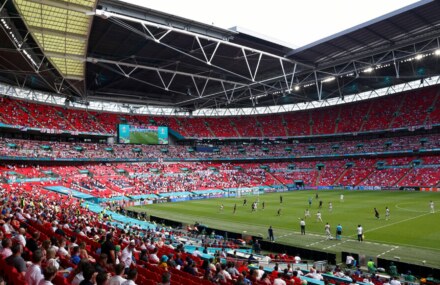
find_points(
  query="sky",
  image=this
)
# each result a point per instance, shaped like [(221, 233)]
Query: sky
[(296, 23)]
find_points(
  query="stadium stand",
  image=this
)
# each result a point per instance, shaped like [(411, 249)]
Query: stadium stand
[(390, 112), (66, 186)]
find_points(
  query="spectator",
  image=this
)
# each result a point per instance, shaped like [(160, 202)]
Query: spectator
[(118, 279), (101, 278), (166, 279), (153, 256), (371, 266), (33, 274), (6, 250), (393, 270), (16, 260), (265, 279), (279, 280), (109, 248), (51, 260), (409, 277), (144, 255), (196, 252), (257, 247), (131, 277), (20, 237), (75, 259), (49, 274), (350, 261), (88, 274), (296, 280), (32, 242), (62, 251), (78, 271), (101, 265), (127, 255), (163, 262), (395, 281)]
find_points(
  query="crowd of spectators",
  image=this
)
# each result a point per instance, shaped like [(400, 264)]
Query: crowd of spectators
[(49, 238), (406, 110), (115, 179), (56, 150)]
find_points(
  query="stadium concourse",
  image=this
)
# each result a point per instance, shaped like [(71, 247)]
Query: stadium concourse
[(230, 113)]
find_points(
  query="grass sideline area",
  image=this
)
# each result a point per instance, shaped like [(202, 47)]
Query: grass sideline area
[(412, 233)]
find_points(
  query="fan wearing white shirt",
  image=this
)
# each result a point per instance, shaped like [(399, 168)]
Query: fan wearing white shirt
[(131, 277), (127, 254), (51, 260), (117, 279), (33, 274), (49, 274), (20, 237)]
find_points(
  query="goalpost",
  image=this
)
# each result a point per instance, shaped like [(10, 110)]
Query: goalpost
[(251, 192)]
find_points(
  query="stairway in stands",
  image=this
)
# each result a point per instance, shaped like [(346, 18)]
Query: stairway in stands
[(259, 127), (24, 109), (410, 170), (366, 116), (340, 176), (397, 111), (235, 129), (337, 120), (286, 130), (366, 177), (209, 128), (433, 107), (318, 178), (275, 178)]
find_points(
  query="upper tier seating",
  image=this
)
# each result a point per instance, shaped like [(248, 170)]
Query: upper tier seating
[(406, 110)]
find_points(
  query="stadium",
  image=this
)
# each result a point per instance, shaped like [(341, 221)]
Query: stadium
[(140, 147)]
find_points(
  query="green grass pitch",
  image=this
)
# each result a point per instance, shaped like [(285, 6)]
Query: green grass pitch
[(412, 233), (144, 138)]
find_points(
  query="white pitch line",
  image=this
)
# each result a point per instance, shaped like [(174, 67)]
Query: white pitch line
[(408, 210), (337, 244), (286, 235), (385, 252), (398, 222)]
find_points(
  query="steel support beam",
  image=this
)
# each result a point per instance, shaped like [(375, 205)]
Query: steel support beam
[(106, 15), (174, 72)]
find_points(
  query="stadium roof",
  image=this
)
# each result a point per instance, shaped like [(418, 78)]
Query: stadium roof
[(118, 52)]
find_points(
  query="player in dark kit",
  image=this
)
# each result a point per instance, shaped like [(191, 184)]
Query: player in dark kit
[(281, 199), (235, 208), (376, 213), (244, 202)]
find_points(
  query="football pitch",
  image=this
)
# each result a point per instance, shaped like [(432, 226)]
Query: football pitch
[(144, 138), (411, 233)]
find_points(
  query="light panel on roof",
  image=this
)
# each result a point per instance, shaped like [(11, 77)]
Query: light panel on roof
[(61, 30)]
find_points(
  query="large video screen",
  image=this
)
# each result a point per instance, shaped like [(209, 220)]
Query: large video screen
[(129, 134)]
